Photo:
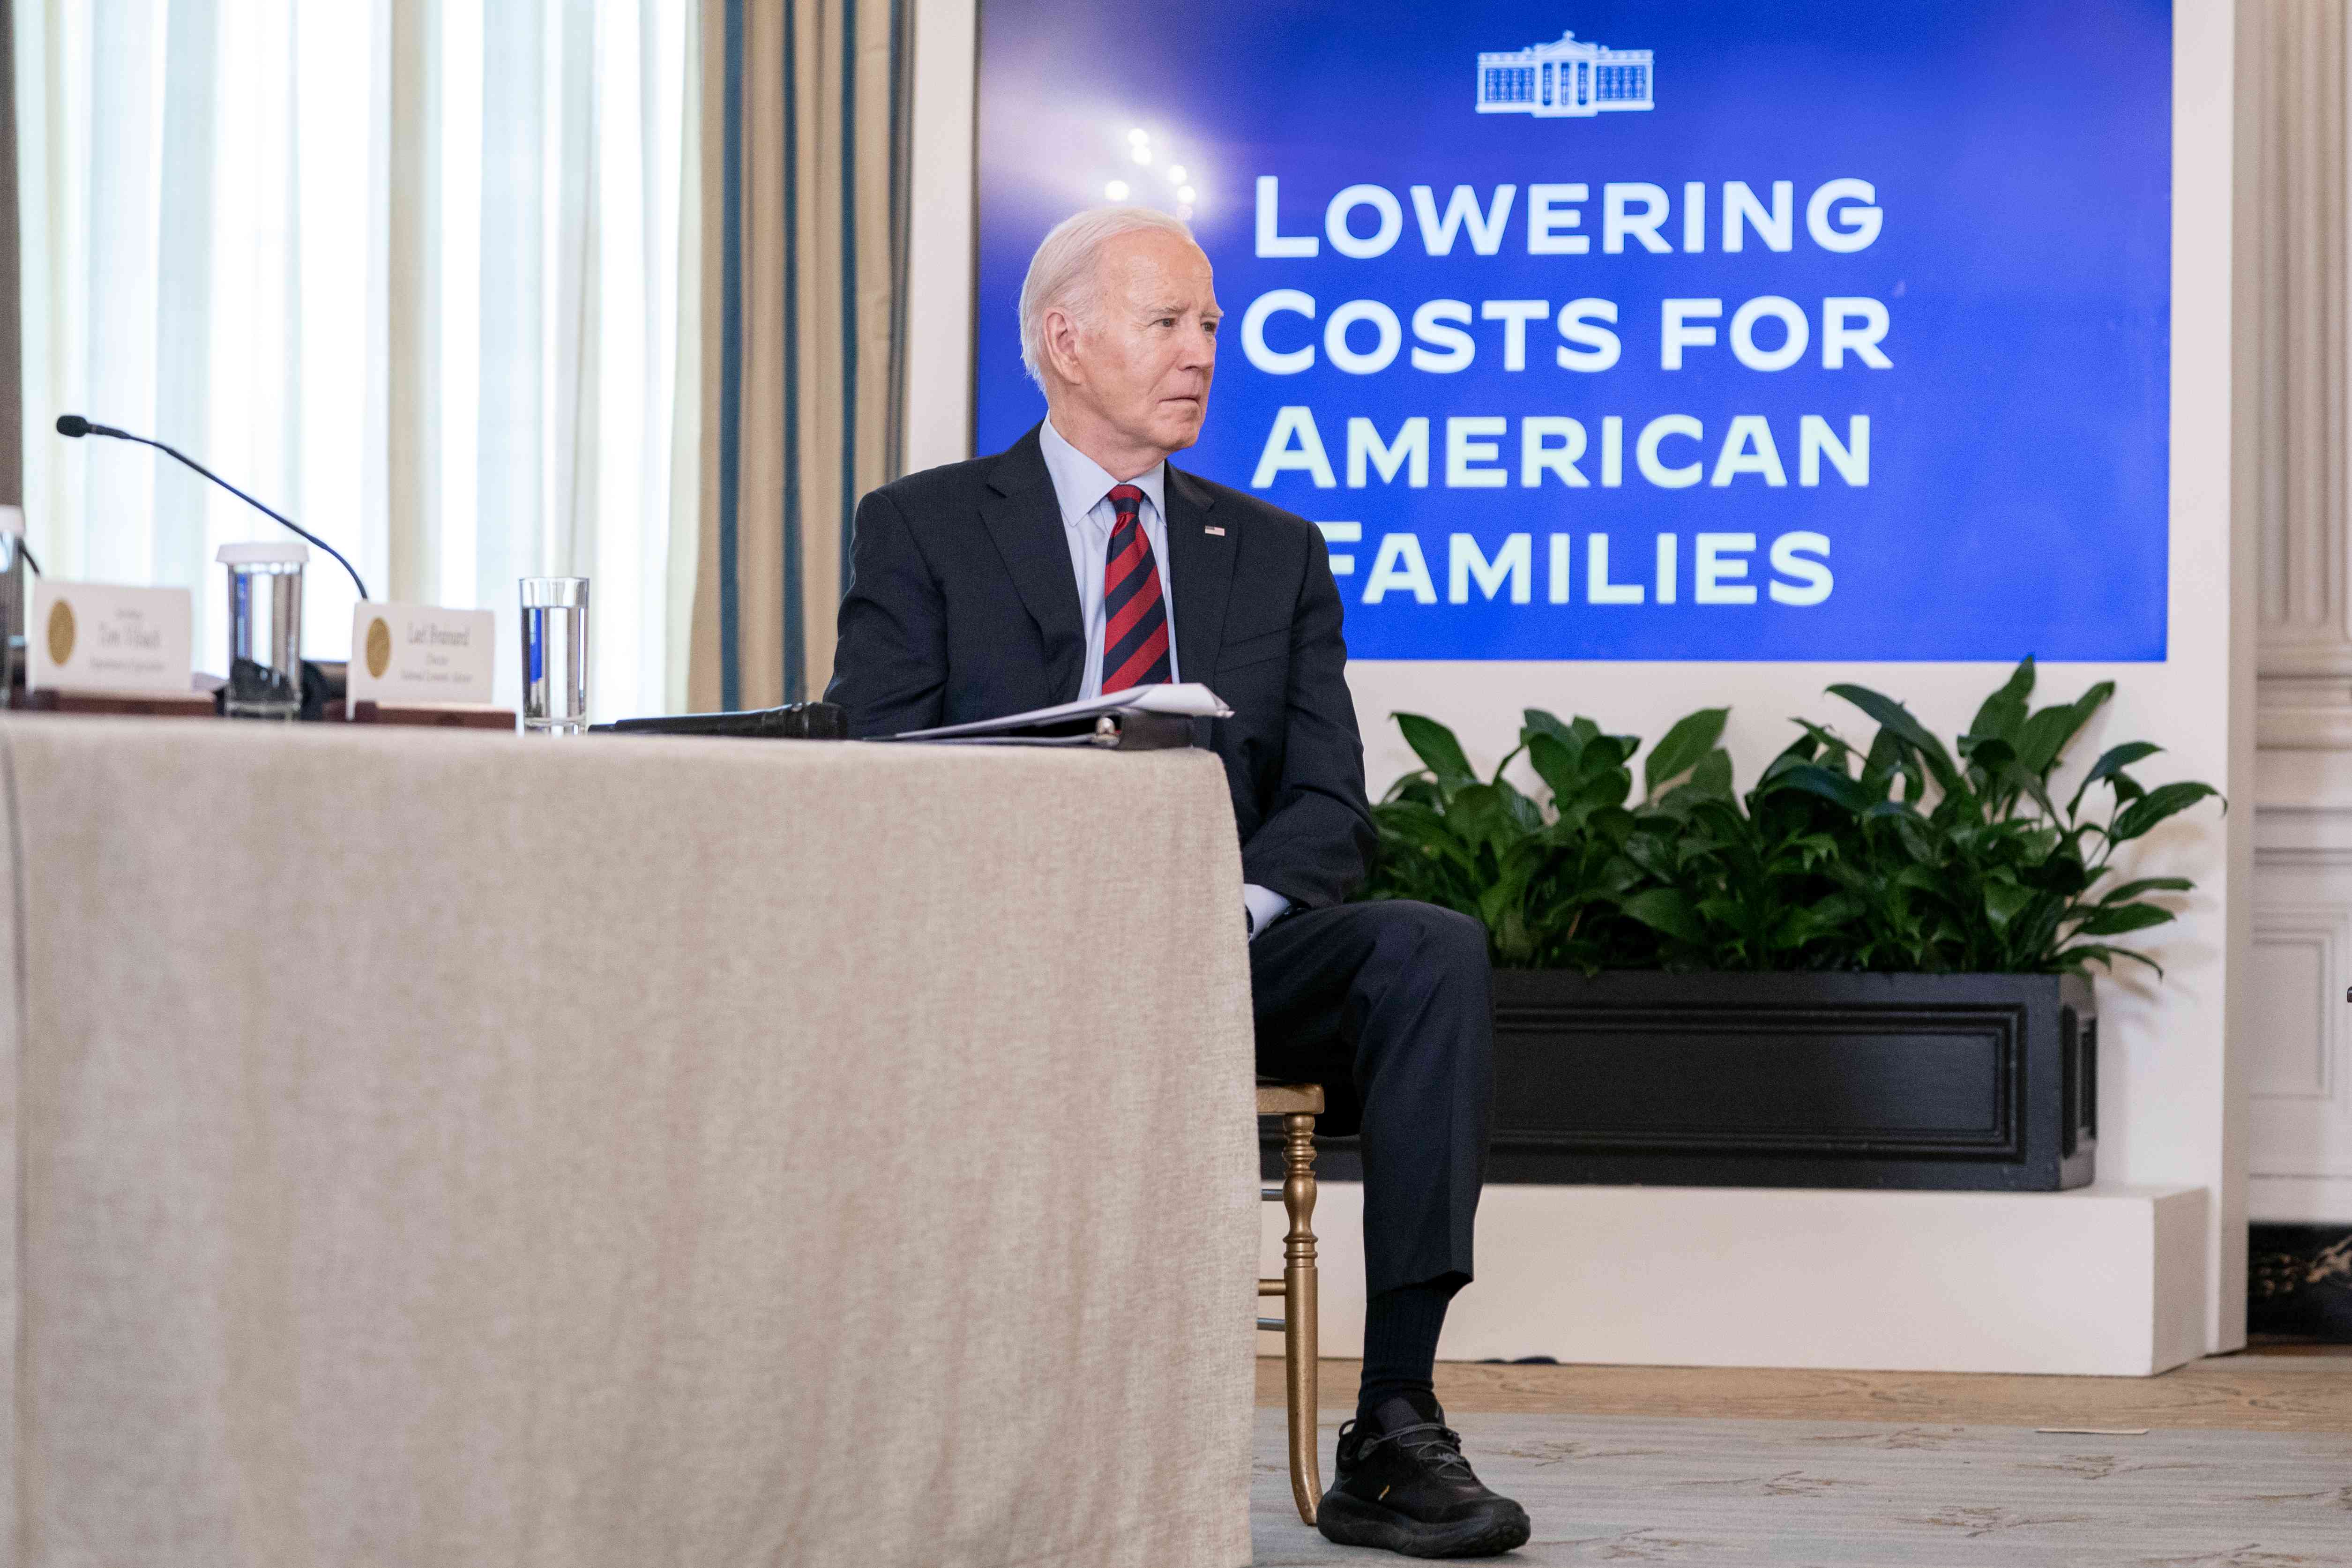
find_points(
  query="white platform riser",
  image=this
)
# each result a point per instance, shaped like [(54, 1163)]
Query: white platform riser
[(2107, 1280)]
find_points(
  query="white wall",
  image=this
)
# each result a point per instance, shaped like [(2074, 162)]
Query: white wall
[(940, 239), (2298, 1065), (2171, 1107)]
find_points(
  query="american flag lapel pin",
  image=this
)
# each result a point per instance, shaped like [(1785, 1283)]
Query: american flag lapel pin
[(1218, 532)]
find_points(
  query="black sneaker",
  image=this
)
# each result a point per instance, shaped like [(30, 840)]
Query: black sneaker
[(1404, 1487)]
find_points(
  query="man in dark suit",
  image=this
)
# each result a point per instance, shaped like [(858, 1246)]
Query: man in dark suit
[(1080, 562)]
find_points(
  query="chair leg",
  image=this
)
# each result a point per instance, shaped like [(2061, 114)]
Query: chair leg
[(1300, 1313)]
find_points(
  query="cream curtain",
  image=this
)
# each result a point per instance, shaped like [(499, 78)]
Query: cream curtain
[(804, 224), (409, 270)]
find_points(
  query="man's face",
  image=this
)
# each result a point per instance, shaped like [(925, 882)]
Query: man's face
[(1142, 361)]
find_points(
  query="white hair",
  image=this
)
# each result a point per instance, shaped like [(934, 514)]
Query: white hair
[(1064, 273)]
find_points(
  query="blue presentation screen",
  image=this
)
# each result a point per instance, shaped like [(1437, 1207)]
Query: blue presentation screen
[(1646, 330)]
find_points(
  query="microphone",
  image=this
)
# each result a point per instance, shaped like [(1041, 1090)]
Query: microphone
[(75, 426)]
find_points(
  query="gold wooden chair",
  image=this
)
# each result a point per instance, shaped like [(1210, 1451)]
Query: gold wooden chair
[(1298, 1104)]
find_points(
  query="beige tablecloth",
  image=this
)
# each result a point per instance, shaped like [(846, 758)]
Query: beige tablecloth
[(441, 1149)]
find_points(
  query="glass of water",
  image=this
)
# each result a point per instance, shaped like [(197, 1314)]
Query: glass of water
[(265, 629), (554, 656)]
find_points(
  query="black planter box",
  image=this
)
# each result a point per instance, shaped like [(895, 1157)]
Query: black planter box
[(1985, 1082)]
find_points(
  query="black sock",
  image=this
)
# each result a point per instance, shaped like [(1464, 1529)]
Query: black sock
[(1400, 1330)]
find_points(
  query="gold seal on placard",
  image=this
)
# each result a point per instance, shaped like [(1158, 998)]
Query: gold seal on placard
[(61, 632), (379, 648)]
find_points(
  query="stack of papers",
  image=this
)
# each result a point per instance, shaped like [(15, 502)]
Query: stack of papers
[(1072, 723)]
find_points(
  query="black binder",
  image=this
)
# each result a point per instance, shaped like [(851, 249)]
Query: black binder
[(1139, 718), (1120, 729)]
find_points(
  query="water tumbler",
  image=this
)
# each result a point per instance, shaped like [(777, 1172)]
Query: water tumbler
[(265, 629), (554, 656)]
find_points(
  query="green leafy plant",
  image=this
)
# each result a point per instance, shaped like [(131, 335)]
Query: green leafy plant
[(1904, 854)]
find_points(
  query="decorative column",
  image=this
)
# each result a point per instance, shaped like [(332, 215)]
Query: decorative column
[(2295, 423), (2294, 243)]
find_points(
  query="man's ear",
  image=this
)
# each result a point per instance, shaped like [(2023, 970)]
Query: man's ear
[(1061, 336)]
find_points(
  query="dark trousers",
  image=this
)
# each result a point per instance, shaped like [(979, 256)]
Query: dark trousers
[(1395, 1001)]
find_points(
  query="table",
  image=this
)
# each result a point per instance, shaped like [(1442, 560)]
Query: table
[(437, 1148)]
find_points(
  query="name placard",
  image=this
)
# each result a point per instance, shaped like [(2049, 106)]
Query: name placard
[(101, 636), (419, 653)]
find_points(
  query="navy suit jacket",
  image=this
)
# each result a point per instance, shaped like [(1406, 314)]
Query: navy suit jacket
[(962, 605)]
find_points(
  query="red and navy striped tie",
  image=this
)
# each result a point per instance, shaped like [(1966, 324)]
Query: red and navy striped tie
[(1135, 617)]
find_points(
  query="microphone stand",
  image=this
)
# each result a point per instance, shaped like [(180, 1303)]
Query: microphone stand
[(75, 426)]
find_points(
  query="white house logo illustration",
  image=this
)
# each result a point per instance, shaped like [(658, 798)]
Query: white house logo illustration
[(1564, 77)]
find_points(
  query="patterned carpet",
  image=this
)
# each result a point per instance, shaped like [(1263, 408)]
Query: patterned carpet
[(1637, 1489)]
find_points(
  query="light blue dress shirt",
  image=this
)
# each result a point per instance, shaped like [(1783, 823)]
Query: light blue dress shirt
[(1082, 486)]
